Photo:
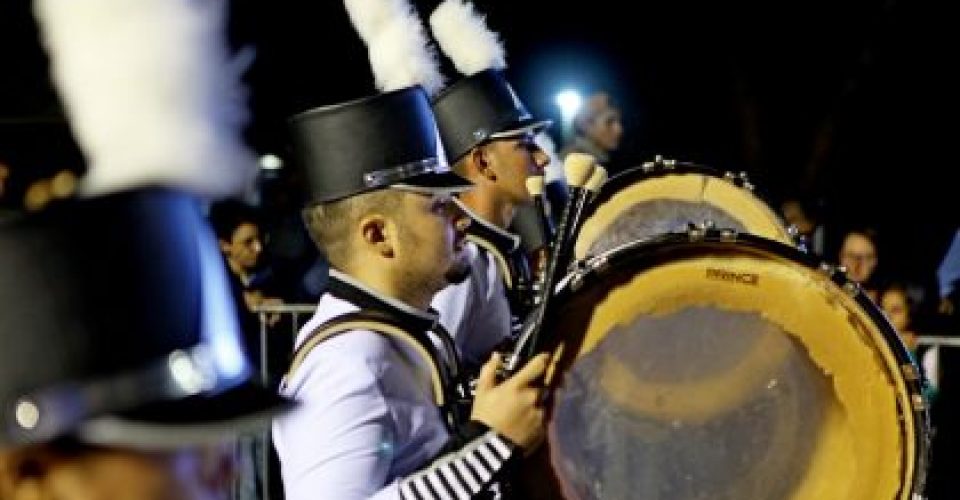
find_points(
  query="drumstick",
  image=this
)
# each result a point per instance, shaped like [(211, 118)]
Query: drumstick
[(578, 168), (597, 179), (535, 188), (591, 189)]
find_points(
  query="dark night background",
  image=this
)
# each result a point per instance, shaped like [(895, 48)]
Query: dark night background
[(846, 101), (851, 101)]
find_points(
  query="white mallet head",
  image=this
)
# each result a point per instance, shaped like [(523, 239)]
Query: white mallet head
[(578, 168), (535, 185)]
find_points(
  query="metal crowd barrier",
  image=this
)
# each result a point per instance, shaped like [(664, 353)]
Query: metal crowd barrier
[(939, 341), (261, 481), (263, 313)]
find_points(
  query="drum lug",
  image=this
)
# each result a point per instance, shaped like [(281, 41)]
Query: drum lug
[(576, 281), (696, 233), (910, 372), (828, 269), (919, 403), (658, 163), (728, 235), (600, 264), (852, 288)]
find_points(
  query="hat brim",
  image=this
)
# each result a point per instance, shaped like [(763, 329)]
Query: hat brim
[(523, 127), (241, 410), (435, 183)]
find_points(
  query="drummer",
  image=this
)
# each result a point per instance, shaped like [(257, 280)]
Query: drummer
[(489, 137), (379, 417)]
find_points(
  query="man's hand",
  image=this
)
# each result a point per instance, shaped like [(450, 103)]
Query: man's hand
[(512, 407), (255, 299)]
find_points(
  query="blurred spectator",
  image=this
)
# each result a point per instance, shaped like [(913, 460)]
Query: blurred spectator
[(900, 309), (859, 255), (802, 215), (238, 233), (597, 129), (948, 275)]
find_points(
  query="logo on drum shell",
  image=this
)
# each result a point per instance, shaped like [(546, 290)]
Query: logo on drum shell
[(733, 276)]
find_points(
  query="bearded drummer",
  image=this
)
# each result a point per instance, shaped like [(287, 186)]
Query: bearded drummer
[(378, 382)]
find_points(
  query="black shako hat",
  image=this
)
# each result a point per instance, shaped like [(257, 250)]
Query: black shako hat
[(479, 108), (388, 140), (117, 327)]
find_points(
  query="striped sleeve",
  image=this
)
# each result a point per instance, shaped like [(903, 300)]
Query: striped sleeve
[(461, 474)]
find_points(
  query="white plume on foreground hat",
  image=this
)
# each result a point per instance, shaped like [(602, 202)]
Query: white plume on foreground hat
[(151, 93)]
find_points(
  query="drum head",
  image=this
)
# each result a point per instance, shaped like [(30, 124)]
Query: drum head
[(724, 371), (637, 205)]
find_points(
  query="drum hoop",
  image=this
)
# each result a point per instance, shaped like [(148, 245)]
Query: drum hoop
[(647, 251), (633, 175)]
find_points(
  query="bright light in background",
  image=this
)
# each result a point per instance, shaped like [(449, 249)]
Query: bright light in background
[(270, 162), (569, 102)]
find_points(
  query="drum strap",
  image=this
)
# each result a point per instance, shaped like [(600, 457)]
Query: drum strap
[(505, 269), (516, 278), (383, 325)]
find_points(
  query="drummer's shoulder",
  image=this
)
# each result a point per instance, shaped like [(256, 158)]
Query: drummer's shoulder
[(347, 356)]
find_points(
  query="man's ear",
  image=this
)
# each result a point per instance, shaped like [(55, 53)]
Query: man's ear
[(378, 234), (481, 164)]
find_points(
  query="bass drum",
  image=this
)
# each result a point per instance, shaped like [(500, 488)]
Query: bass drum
[(664, 196), (712, 365)]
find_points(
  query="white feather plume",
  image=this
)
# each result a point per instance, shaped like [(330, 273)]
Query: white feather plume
[(464, 37), (369, 17), (150, 92), (399, 50)]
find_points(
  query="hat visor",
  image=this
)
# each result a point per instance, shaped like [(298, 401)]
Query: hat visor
[(202, 419), (523, 127), (435, 183)]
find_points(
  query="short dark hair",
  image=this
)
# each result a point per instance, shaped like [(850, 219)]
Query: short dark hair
[(329, 224), (871, 234), (899, 286), (226, 216)]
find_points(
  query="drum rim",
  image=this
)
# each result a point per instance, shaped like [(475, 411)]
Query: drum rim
[(592, 268), (654, 170), (643, 172)]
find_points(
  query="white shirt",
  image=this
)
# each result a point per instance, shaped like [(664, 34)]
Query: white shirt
[(476, 312), (367, 415)]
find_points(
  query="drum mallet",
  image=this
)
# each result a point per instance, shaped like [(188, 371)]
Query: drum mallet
[(590, 191), (535, 186), (578, 168)]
